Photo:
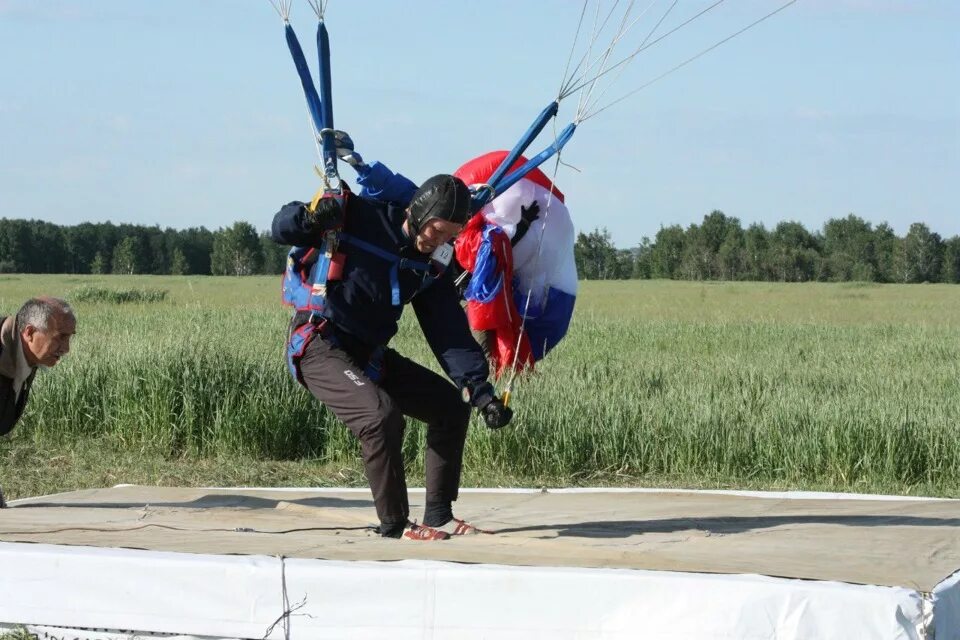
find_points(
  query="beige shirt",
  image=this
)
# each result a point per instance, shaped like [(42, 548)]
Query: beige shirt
[(22, 369)]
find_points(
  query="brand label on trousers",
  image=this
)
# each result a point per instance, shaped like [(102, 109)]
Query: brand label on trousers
[(356, 379)]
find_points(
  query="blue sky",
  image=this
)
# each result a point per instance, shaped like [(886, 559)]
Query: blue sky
[(185, 113)]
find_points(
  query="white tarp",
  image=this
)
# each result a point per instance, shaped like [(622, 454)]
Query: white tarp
[(139, 590), (43, 632), (339, 583), (242, 597), (417, 599), (946, 609)]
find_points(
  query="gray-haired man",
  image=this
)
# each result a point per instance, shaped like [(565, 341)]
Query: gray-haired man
[(38, 336)]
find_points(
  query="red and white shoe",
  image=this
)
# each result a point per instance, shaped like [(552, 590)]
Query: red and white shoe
[(458, 527), (423, 533)]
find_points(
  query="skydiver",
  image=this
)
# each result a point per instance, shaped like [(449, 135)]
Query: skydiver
[(381, 183), (387, 256)]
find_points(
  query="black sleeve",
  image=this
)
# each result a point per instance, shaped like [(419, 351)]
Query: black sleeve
[(445, 327), (522, 227), (291, 227)]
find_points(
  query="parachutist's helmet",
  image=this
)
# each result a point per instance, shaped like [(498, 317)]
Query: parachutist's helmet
[(443, 196)]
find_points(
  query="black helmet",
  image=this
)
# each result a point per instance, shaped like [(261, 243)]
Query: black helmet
[(443, 196)]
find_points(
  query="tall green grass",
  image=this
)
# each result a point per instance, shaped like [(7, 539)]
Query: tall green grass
[(813, 384), (91, 293)]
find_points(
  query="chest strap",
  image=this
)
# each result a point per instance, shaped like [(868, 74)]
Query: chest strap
[(397, 263)]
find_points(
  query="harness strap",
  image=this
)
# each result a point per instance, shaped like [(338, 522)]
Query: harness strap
[(305, 288), (397, 264), (302, 336)]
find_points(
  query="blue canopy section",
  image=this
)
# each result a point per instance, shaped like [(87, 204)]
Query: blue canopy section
[(487, 280), (546, 325)]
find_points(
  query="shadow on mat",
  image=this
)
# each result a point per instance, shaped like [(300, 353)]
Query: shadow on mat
[(214, 500), (724, 526)]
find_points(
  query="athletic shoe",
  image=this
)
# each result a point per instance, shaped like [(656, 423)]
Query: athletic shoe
[(416, 531), (458, 527)]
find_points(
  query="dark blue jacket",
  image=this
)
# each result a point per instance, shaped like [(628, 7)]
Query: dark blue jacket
[(360, 302)]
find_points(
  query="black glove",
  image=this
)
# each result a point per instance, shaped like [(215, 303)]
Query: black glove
[(496, 414), (325, 212), (527, 216), (531, 213), (482, 396), (345, 151)]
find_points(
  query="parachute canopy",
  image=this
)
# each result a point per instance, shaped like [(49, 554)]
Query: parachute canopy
[(544, 273)]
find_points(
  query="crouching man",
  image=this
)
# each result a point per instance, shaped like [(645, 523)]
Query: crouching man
[(37, 336)]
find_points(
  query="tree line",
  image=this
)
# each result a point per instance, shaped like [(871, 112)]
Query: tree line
[(34, 246), (846, 249), (717, 249)]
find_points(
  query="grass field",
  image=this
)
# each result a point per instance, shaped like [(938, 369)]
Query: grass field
[(848, 387)]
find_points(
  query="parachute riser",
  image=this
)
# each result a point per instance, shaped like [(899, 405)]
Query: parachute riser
[(484, 195), (329, 151), (489, 191), (306, 81), (537, 160), (319, 105)]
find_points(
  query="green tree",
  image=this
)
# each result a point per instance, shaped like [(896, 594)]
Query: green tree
[(756, 249), (698, 259), (51, 247), (8, 261), (178, 263), (717, 227), (643, 260), (848, 249), (703, 245), (126, 256), (159, 262), (98, 265), (595, 255), (666, 254), (950, 271), (622, 268), (920, 255), (83, 244), (236, 251), (731, 255), (197, 246), (794, 253), (885, 251), (16, 243), (274, 255)]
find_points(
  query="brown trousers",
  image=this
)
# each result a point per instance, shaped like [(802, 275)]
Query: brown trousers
[(374, 412)]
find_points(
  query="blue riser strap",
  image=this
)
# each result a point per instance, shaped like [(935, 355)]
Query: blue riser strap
[(538, 159), (483, 196), (309, 91), (549, 112), (326, 102)]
